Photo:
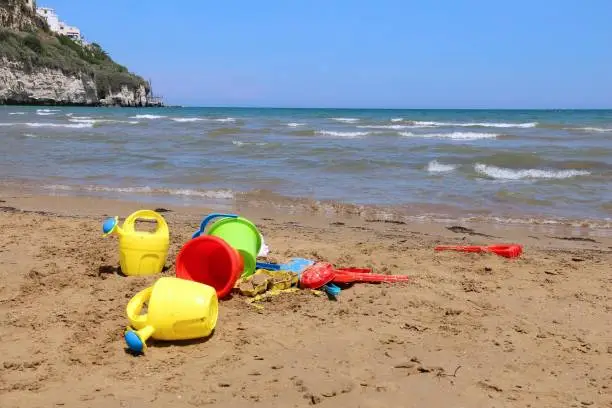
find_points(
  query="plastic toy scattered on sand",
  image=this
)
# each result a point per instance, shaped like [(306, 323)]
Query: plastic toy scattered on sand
[(298, 265), (177, 309), (263, 281), (323, 273), (140, 252), (507, 251), (239, 232), (211, 261)]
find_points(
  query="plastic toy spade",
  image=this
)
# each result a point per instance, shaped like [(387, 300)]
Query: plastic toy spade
[(507, 251), (319, 275), (323, 273), (298, 265)]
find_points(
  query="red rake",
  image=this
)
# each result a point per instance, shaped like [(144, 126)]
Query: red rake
[(322, 273), (507, 251)]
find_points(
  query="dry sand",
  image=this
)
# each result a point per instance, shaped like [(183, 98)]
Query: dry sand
[(468, 331)]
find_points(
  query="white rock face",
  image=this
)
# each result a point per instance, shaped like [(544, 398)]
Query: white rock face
[(127, 97), (51, 86), (44, 86)]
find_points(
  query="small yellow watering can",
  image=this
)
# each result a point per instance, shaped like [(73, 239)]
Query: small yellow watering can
[(140, 252), (177, 309)]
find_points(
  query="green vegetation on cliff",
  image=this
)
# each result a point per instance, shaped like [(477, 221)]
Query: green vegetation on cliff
[(39, 48)]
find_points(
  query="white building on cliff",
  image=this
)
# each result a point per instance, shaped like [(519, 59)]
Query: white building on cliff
[(58, 26)]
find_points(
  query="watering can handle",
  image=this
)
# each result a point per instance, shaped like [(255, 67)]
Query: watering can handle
[(209, 218), (128, 224), (134, 307)]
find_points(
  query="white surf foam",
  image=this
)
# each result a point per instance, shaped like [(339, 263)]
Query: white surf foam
[(47, 112), (53, 125), (223, 120), (217, 194), (294, 124), (240, 144), (500, 173), (346, 120), (435, 167), (397, 119), (186, 120), (17, 113), (392, 127), (89, 120), (477, 124), (452, 135), (147, 117), (341, 134), (591, 129)]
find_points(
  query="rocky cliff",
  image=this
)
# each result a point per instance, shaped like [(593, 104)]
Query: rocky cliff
[(39, 67)]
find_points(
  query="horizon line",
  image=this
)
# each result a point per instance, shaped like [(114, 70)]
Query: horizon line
[(366, 108)]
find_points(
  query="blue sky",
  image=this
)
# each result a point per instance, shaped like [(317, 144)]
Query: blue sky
[(358, 53)]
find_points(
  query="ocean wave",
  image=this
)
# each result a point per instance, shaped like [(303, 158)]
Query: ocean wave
[(17, 113), (223, 120), (341, 134), (392, 127), (184, 120), (147, 117), (47, 112), (397, 119), (294, 124), (346, 120), (591, 129), (435, 167), (92, 121), (452, 135), (217, 194), (500, 173), (53, 125), (476, 124), (240, 144)]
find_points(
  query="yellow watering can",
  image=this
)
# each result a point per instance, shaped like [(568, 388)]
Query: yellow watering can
[(177, 309), (140, 252)]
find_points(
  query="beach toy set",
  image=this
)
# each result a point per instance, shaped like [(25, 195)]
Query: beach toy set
[(218, 259), (207, 269)]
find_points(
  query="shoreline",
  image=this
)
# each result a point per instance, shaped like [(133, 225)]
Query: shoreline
[(468, 329), (266, 201), (542, 235)]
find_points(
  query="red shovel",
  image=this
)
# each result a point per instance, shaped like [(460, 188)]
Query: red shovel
[(507, 251)]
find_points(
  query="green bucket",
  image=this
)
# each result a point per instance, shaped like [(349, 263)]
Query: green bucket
[(239, 233)]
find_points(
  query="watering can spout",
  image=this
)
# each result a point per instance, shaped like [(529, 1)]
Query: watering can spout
[(111, 225), (136, 339)]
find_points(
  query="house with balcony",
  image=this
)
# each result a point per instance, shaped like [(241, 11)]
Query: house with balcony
[(58, 26)]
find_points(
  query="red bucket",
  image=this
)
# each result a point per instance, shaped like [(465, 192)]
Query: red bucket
[(211, 261)]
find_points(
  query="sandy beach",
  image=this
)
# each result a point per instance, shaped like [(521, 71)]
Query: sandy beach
[(469, 330)]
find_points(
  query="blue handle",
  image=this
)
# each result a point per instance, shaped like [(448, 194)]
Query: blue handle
[(268, 266), (210, 217), (332, 289)]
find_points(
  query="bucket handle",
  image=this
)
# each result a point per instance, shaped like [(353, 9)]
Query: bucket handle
[(134, 307), (268, 266), (209, 218), (162, 227)]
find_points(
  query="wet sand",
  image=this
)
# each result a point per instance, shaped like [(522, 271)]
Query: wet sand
[(468, 330)]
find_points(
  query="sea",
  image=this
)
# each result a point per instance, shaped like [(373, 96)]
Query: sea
[(509, 166)]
